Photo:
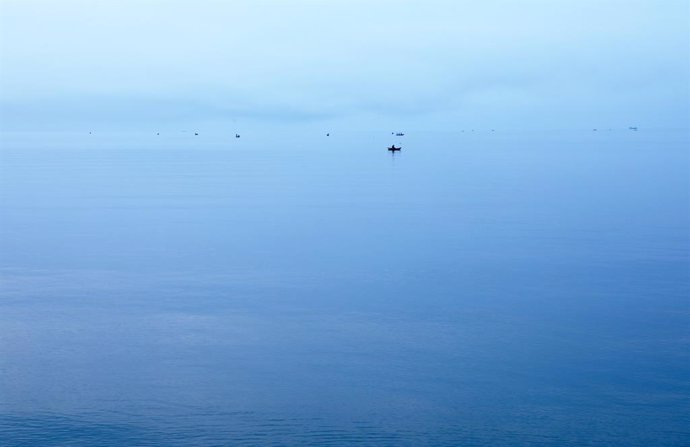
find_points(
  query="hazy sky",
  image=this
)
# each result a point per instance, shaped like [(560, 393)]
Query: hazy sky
[(433, 64)]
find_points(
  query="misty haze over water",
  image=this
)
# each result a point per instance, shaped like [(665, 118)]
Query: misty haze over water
[(205, 241)]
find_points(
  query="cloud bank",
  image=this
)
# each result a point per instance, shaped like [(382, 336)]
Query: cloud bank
[(434, 64)]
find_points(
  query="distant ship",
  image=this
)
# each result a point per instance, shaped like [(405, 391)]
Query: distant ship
[(399, 134)]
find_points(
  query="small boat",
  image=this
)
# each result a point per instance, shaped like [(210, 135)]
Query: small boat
[(394, 149), (399, 134)]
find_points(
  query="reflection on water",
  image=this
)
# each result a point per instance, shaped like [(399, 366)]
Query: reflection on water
[(492, 289)]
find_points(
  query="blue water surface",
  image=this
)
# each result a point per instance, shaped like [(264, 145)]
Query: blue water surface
[(475, 289)]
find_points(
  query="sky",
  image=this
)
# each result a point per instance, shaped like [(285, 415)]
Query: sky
[(355, 64)]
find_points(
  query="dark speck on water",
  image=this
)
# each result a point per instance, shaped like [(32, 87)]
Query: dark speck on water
[(507, 289)]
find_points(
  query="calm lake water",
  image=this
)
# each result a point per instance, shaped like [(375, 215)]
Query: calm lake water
[(485, 289)]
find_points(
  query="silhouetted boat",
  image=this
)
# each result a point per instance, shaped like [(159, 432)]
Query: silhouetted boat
[(399, 134), (394, 149)]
